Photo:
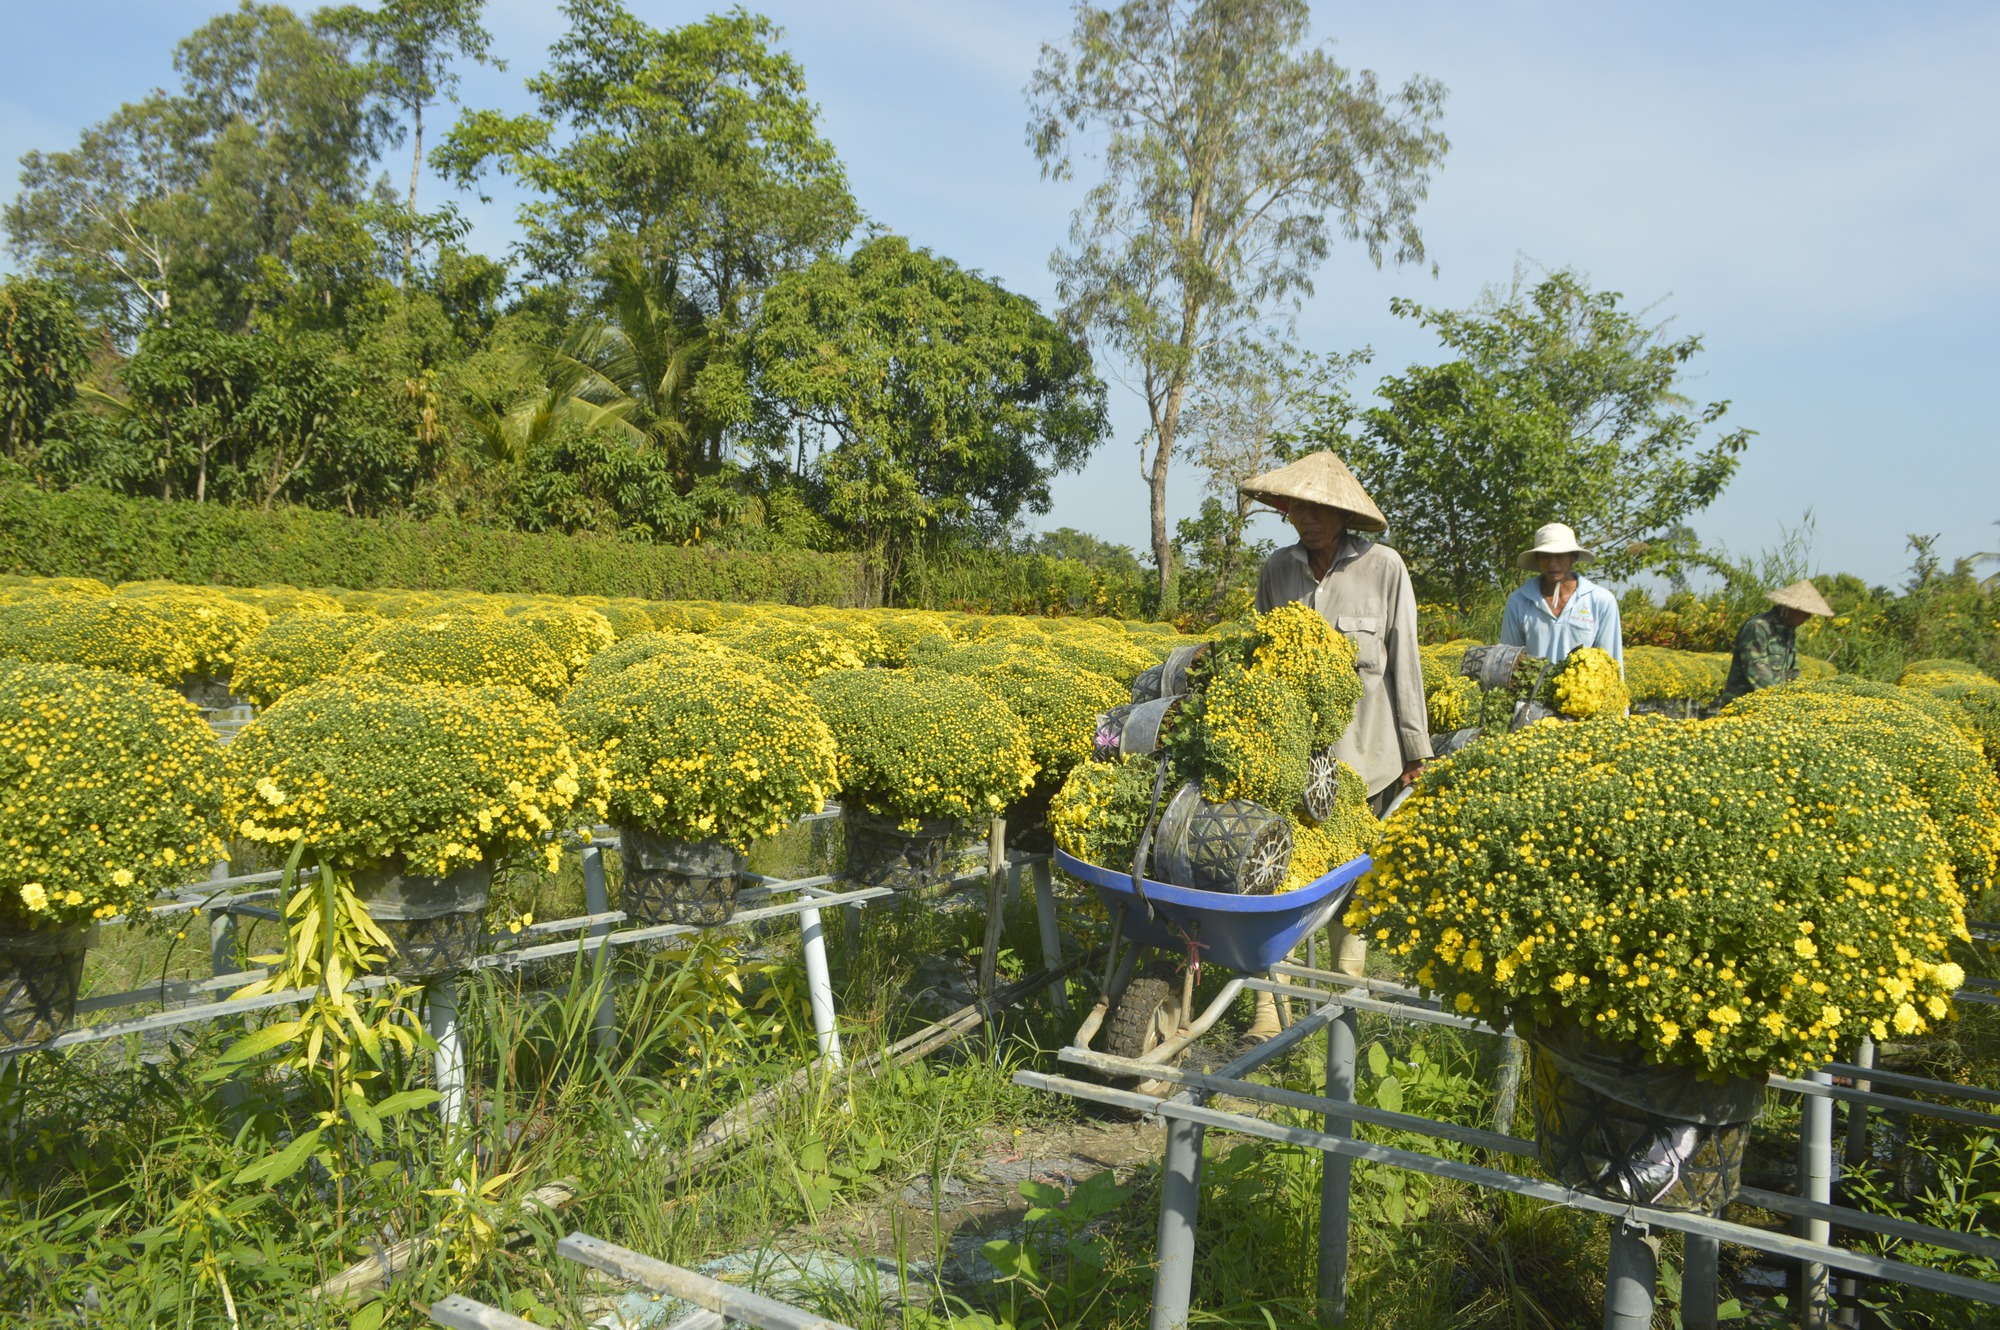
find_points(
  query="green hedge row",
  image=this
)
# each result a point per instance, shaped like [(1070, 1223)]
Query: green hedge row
[(96, 534)]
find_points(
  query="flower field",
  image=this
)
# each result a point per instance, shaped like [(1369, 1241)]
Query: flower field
[(1750, 893)]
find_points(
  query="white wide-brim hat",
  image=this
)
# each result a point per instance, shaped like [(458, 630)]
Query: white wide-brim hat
[(1801, 595), (1320, 478), (1555, 538)]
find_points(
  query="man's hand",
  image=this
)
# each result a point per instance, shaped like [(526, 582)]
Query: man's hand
[(1411, 770)]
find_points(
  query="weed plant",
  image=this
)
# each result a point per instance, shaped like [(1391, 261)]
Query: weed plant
[(126, 1204)]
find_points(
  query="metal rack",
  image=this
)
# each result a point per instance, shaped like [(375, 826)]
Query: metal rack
[(1336, 1001), (226, 898)]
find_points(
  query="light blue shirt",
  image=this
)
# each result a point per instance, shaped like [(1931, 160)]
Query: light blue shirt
[(1589, 620)]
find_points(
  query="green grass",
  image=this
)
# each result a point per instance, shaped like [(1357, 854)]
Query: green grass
[(121, 1206)]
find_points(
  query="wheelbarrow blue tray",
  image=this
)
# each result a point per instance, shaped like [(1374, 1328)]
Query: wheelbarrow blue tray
[(1247, 933)]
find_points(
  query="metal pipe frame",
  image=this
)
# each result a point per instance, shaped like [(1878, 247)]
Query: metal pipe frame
[(1777, 1244)]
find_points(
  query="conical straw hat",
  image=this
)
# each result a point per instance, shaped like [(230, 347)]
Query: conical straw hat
[(1318, 478), (1802, 595)]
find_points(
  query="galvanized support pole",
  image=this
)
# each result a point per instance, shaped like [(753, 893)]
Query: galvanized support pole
[(1507, 1085), (1854, 1157), (222, 929), (1815, 1184), (597, 900), (819, 985), (1630, 1277), (1699, 1275), (1857, 1114), (1013, 887), (448, 1066), (1180, 1200), (1045, 920), (996, 854), (1336, 1172)]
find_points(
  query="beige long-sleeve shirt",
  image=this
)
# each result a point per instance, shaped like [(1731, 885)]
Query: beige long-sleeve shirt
[(1367, 597)]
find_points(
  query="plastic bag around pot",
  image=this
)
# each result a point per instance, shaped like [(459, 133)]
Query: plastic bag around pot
[(435, 924), (677, 881), (1170, 677), (880, 853), (1237, 847), (1609, 1121), (41, 971)]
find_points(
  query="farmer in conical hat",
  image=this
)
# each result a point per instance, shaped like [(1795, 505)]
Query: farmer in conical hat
[(1561, 610), (1363, 590), (1767, 651)]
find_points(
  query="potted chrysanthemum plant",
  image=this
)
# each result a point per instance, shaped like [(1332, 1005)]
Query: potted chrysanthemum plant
[(695, 753), (405, 796), (920, 754), (111, 794), (1668, 911)]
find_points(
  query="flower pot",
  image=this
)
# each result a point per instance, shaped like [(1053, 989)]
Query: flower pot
[(881, 854), (1614, 1124), (435, 924), (40, 972), (677, 881), (1028, 820), (1238, 846), (1322, 792)]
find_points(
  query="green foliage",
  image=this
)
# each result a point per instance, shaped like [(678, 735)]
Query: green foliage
[(1559, 402), (914, 744), (1233, 155), (110, 790), (951, 401), (366, 770), (692, 750), (696, 144), (296, 651), (44, 355), (174, 207), (119, 539)]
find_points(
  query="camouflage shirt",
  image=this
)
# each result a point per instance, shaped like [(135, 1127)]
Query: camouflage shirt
[(1767, 653)]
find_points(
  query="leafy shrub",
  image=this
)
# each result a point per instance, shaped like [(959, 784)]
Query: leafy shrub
[(1740, 895), (921, 744), (460, 650), (214, 626), (1913, 736), (136, 637), (805, 651), (574, 632), (693, 750), (110, 791), (365, 769), (295, 651)]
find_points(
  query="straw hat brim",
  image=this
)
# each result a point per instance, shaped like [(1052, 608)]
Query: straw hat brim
[(1802, 596), (1525, 560), (1320, 478)]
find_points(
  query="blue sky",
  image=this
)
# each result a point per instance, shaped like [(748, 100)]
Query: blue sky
[(1812, 187)]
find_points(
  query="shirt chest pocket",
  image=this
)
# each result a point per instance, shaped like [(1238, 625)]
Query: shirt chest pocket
[(1365, 632)]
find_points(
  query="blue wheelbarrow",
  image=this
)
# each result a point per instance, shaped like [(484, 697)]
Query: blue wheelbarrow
[(1145, 1012)]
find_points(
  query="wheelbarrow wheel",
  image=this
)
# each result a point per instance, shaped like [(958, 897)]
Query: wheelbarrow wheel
[(1146, 1015)]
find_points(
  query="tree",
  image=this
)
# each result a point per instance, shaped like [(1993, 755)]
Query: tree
[(695, 146), (1560, 406), (174, 203), (1233, 155), (410, 46), (1242, 422), (44, 355), (951, 401)]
